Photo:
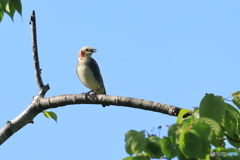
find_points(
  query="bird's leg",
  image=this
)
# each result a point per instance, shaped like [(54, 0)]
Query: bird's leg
[(95, 93), (88, 94)]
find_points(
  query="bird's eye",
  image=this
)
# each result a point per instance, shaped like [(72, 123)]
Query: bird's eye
[(86, 49)]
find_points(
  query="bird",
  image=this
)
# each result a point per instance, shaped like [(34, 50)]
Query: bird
[(89, 73)]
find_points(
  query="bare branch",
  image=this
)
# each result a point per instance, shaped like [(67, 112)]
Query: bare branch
[(63, 100), (42, 88), (40, 104)]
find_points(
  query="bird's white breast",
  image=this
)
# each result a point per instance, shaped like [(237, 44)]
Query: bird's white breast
[(86, 76)]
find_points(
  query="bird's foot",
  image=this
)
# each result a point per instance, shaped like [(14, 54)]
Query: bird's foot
[(88, 94), (93, 95)]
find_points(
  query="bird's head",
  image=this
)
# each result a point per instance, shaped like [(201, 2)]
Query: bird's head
[(86, 51)]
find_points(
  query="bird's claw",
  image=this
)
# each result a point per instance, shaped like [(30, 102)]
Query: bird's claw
[(93, 95), (87, 94)]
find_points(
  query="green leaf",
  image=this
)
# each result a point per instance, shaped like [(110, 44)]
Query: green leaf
[(212, 107), (129, 134), (230, 123), (181, 114), (17, 5), (50, 114), (1, 12), (128, 146), (138, 142), (236, 101), (53, 116), (214, 139), (168, 148), (213, 125), (195, 114), (236, 94), (128, 158), (232, 120), (205, 149), (128, 140), (135, 142), (153, 147), (140, 158), (181, 157), (203, 129), (190, 143), (4, 1), (136, 158), (172, 133), (8, 8)]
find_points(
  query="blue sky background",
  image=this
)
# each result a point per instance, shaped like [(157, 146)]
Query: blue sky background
[(172, 52)]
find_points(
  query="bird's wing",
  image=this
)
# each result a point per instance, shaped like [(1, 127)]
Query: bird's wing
[(96, 73)]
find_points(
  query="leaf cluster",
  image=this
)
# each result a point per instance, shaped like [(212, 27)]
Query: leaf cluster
[(9, 7), (193, 138)]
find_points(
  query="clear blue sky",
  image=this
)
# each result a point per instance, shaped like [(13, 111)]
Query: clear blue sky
[(172, 52)]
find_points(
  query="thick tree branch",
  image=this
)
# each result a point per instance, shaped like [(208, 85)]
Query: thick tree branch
[(40, 104), (42, 88), (63, 100)]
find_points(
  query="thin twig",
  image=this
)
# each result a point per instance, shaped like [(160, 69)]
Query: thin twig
[(231, 139), (42, 88)]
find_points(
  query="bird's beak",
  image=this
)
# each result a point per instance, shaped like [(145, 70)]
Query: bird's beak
[(94, 50)]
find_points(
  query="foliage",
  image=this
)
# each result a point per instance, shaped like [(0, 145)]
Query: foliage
[(199, 136), (50, 114), (9, 7)]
